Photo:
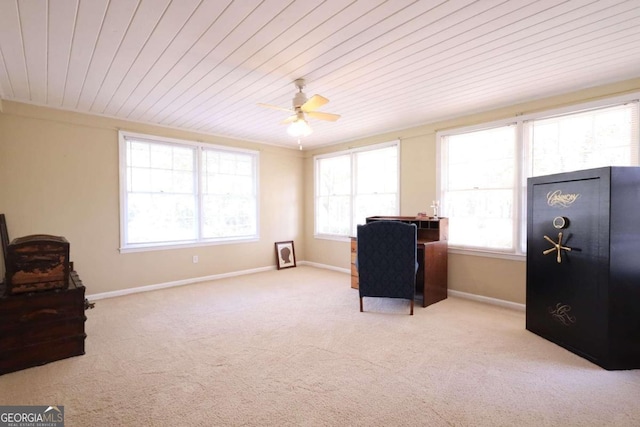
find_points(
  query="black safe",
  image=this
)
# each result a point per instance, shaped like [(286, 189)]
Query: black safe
[(583, 263)]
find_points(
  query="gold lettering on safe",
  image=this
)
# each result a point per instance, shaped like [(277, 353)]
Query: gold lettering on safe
[(556, 198)]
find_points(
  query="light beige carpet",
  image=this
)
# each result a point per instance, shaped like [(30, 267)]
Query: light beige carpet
[(290, 348)]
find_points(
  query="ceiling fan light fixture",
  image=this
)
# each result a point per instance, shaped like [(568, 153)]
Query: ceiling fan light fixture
[(299, 128), (301, 109)]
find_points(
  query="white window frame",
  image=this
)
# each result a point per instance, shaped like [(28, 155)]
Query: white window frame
[(198, 147), (352, 154), (522, 167)]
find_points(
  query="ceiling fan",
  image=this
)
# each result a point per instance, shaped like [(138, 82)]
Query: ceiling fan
[(302, 108)]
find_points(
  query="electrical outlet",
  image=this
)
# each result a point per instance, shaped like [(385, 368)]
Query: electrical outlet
[(195, 259)]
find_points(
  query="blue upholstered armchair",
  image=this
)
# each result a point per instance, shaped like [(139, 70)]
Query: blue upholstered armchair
[(386, 260)]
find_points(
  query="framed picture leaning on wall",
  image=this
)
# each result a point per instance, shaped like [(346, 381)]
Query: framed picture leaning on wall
[(285, 255)]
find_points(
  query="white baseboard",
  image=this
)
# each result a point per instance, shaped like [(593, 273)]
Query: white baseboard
[(325, 266), (487, 300), (459, 294), (183, 282)]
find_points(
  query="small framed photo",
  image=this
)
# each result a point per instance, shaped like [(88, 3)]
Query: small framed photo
[(285, 255)]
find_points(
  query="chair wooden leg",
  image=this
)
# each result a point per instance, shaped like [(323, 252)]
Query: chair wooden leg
[(360, 304), (411, 307)]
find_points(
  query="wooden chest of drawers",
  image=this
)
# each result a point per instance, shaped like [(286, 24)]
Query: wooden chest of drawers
[(41, 327)]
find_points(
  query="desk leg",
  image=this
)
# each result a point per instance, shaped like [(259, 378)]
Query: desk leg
[(435, 272)]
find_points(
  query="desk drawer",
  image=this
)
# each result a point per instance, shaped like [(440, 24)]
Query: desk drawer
[(354, 270)]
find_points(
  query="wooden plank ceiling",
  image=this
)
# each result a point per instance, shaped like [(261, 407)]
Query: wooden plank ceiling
[(204, 65)]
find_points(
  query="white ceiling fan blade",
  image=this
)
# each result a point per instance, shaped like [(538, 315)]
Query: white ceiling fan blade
[(323, 116), (274, 107), (315, 102), (289, 119)]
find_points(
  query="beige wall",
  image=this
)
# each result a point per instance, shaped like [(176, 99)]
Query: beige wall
[(491, 277), (59, 175)]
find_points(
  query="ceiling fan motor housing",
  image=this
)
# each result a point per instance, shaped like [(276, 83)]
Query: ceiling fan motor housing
[(299, 99)]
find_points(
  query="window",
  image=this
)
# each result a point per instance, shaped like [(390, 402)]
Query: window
[(352, 185), (182, 193), (480, 177), (603, 137), (483, 171)]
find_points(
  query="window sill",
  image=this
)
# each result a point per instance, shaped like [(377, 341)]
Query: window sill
[(487, 253), (149, 248), (337, 238), (452, 249)]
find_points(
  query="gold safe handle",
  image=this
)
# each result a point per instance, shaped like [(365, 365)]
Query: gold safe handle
[(557, 247)]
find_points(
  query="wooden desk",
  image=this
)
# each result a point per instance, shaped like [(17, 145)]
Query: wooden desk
[(431, 278)]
